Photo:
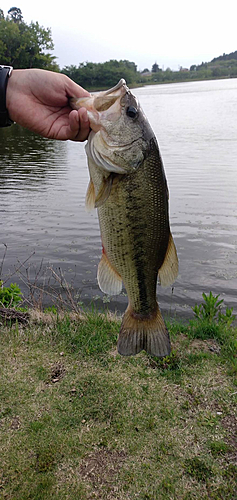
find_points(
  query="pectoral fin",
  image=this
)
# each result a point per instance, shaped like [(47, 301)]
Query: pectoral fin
[(170, 267), (104, 191), (93, 201), (109, 280), (90, 197)]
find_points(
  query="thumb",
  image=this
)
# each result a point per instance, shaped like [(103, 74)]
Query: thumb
[(75, 90)]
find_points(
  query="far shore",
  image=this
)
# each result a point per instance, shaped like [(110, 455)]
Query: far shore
[(147, 83)]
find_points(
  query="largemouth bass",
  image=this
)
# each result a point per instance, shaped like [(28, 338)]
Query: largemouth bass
[(129, 189)]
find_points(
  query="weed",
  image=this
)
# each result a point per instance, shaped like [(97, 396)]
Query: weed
[(230, 471), (210, 310), (51, 309), (10, 296), (211, 323), (208, 420), (45, 458), (218, 448), (5, 412), (226, 318), (197, 469), (170, 362)]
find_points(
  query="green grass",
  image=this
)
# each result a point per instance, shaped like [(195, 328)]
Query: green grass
[(78, 421)]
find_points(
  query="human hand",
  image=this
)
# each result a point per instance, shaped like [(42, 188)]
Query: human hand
[(38, 100)]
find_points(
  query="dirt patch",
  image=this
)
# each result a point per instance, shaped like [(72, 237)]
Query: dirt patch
[(101, 468), (204, 346), (196, 345), (15, 423), (57, 372), (49, 318)]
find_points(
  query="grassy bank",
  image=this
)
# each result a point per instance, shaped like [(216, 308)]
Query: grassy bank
[(80, 422)]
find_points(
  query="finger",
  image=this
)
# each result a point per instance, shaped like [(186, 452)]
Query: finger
[(74, 123), (84, 128), (79, 125)]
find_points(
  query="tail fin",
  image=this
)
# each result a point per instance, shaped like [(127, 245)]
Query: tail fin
[(148, 333)]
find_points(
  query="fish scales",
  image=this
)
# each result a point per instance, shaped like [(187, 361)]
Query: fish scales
[(128, 186), (136, 247)]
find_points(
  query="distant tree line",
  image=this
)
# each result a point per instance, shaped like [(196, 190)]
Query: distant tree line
[(23, 45), (96, 75), (220, 67)]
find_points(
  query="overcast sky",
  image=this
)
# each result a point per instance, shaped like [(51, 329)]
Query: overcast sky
[(172, 33)]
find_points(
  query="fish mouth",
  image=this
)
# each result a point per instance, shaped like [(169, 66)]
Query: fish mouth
[(120, 84), (104, 100), (102, 105)]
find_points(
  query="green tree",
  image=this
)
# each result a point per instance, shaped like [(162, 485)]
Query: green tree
[(15, 15), (107, 74), (23, 45), (155, 68)]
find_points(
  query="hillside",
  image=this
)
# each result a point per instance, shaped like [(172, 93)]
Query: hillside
[(221, 66), (225, 57)]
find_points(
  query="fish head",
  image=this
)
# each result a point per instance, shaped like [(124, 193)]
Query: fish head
[(121, 134)]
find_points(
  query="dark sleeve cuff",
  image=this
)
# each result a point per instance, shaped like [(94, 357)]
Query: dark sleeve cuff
[(5, 72)]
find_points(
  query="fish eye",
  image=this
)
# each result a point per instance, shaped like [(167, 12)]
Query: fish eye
[(131, 112)]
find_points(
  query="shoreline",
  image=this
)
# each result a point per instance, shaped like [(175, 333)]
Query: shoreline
[(134, 85)]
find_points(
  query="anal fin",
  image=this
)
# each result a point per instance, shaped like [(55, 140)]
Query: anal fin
[(109, 280), (168, 272)]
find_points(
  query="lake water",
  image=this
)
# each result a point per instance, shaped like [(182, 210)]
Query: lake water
[(43, 185)]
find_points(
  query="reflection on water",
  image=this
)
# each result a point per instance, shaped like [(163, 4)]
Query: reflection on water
[(43, 185)]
